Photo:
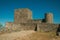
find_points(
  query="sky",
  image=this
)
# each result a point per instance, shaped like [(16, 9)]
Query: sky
[(38, 8)]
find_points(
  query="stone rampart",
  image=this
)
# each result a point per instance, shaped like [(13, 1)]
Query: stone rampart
[(48, 27), (34, 26)]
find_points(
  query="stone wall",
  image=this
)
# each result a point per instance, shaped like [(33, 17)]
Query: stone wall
[(49, 17), (28, 26), (23, 21), (9, 24), (34, 26), (34, 21), (22, 26), (22, 15), (48, 27)]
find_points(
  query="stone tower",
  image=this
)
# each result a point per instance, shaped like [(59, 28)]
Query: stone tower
[(49, 18), (22, 15)]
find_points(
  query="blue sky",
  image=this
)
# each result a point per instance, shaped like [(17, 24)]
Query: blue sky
[(38, 7)]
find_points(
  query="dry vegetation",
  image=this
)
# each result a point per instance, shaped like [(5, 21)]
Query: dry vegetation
[(29, 35)]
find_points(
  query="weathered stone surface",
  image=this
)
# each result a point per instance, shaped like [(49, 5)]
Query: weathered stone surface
[(49, 18), (22, 15), (23, 21)]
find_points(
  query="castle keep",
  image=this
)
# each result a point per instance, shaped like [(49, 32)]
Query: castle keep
[(23, 21), (22, 15)]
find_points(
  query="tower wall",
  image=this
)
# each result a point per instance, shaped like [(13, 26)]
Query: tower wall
[(49, 18), (22, 15)]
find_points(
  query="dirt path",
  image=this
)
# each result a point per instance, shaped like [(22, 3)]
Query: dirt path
[(16, 35), (29, 35)]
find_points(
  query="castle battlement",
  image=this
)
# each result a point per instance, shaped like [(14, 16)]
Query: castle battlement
[(23, 20)]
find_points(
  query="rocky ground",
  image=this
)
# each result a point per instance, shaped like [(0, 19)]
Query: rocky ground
[(16, 35), (29, 35)]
